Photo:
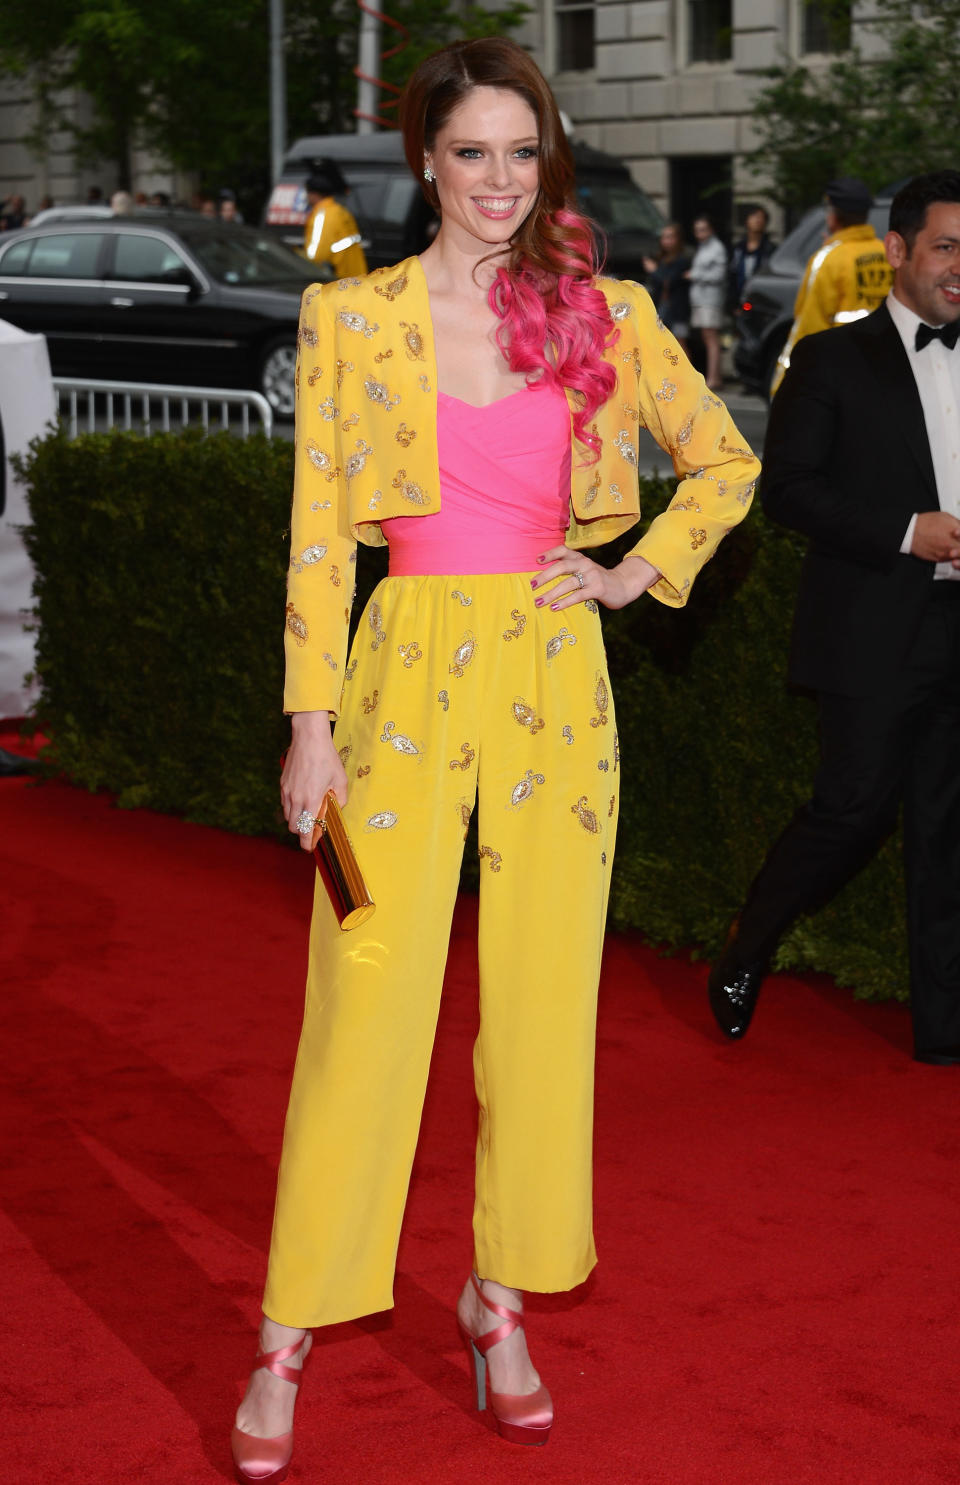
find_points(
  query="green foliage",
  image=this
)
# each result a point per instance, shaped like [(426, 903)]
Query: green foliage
[(886, 109), (160, 571), (189, 78)]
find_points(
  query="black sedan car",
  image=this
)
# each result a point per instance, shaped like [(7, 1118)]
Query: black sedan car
[(167, 297)]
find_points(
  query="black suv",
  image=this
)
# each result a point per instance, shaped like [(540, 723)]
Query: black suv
[(159, 297), (396, 221), (765, 314)]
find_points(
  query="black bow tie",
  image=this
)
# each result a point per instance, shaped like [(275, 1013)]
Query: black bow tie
[(947, 333)]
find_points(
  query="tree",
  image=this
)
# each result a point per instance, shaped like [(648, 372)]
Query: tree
[(881, 111), (188, 79)]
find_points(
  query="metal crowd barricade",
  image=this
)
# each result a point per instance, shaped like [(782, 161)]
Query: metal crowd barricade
[(111, 405)]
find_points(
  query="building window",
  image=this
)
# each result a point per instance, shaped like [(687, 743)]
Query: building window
[(575, 36), (710, 29), (826, 25)]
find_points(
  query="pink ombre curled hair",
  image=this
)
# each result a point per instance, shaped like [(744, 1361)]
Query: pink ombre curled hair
[(546, 295)]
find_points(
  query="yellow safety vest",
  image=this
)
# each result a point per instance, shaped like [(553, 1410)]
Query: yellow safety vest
[(847, 278), (330, 235)]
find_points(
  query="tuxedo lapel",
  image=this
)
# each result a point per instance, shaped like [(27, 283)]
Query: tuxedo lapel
[(902, 410)]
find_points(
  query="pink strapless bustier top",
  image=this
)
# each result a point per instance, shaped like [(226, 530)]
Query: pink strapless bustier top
[(504, 488)]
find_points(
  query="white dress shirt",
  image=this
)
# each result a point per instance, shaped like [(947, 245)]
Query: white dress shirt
[(936, 372)]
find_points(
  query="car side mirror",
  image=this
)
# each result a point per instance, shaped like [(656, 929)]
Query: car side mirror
[(182, 276)]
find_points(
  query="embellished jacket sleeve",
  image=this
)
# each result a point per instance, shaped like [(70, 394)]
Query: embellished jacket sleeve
[(717, 469), (320, 579)]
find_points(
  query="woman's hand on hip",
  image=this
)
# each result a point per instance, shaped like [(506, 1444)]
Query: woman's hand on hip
[(311, 767), (575, 578)]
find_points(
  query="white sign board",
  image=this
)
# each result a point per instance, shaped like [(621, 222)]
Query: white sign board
[(26, 411)]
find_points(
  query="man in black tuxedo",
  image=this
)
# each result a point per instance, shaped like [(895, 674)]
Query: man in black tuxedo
[(863, 456)]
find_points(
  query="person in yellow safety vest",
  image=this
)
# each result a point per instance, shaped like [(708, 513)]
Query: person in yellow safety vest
[(330, 233), (846, 278)]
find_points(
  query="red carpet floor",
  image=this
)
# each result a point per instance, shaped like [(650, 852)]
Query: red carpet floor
[(778, 1221)]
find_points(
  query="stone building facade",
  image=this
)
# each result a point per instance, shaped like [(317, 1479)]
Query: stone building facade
[(667, 85)]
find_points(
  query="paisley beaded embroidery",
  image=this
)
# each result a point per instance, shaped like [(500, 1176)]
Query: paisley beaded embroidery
[(379, 393), (306, 335), (399, 741), (666, 391), (730, 448), (603, 765), (526, 716), (382, 356), (393, 289), (586, 816), (424, 383), (375, 620), (462, 598), (567, 734), (370, 703), (523, 791), (330, 660), (620, 310), (335, 574), (613, 800), (382, 820), (363, 770), (468, 757), (350, 422), (409, 489), (342, 368), (344, 753), (601, 700), (357, 461), (328, 409), (359, 324), (444, 699), (410, 653), (671, 356), (413, 341), (405, 436), (688, 504), (556, 642), (519, 624), (321, 461), (309, 557), (462, 655), (616, 752), (625, 447), (297, 625), (351, 670), (492, 856), (698, 537), (464, 810)]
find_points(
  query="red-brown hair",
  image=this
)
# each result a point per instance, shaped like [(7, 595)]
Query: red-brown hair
[(546, 293)]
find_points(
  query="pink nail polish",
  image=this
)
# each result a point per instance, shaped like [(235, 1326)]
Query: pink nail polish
[(554, 606), (541, 559), (533, 582), (538, 603)]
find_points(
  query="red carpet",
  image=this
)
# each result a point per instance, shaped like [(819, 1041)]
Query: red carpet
[(776, 1300)]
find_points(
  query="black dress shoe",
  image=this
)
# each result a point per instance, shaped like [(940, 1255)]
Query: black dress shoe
[(945, 1057), (734, 989)]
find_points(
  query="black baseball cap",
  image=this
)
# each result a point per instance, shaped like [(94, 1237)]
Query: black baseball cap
[(849, 195)]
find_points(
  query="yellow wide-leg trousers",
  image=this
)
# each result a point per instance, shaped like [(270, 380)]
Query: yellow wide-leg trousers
[(456, 687)]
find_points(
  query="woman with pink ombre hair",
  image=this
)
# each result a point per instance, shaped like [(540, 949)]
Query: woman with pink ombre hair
[(477, 409)]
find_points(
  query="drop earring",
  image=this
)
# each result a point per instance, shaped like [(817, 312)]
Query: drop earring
[(428, 175)]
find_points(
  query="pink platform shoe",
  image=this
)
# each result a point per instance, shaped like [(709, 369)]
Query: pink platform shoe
[(267, 1461), (521, 1419)]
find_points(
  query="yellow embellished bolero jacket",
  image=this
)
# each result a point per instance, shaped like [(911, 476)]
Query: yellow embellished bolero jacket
[(366, 450)]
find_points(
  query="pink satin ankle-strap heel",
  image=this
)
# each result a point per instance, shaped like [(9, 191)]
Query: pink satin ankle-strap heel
[(521, 1419), (267, 1461)]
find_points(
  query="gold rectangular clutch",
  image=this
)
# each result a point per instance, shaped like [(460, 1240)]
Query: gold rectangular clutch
[(339, 868)]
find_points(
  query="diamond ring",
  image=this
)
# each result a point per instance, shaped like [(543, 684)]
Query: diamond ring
[(579, 578), (306, 822)]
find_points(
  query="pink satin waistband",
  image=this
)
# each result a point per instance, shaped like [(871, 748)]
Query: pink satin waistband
[(415, 556)]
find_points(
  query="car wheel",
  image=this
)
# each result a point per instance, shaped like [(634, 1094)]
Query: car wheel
[(278, 367)]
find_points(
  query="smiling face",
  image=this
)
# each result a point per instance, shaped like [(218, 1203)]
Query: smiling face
[(928, 274), (485, 159)]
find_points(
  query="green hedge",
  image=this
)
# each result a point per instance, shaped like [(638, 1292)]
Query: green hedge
[(161, 566)]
